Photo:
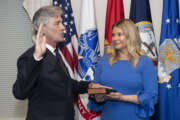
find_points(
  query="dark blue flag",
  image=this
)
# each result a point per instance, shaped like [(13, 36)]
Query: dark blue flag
[(169, 63), (140, 14)]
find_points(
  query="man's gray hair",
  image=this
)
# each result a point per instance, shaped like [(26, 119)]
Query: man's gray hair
[(43, 14)]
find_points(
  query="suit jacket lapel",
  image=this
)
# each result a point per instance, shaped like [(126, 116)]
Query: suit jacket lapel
[(52, 61), (50, 58)]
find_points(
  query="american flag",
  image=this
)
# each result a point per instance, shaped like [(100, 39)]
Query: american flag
[(69, 47), (69, 50)]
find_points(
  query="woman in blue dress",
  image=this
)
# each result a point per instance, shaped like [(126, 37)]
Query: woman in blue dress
[(128, 71)]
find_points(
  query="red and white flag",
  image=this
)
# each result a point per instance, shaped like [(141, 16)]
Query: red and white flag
[(88, 52)]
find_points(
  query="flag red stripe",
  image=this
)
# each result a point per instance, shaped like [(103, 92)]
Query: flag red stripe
[(75, 58)]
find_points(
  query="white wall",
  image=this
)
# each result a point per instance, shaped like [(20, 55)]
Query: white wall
[(12, 118), (100, 5)]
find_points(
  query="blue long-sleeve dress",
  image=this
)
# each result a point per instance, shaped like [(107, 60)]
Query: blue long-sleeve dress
[(124, 78)]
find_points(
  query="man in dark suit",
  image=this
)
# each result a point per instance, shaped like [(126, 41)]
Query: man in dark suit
[(41, 78)]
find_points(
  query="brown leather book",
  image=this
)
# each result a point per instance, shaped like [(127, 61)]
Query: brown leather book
[(100, 90)]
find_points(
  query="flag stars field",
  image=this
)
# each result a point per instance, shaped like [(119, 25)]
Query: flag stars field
[(66, 16), (175, 39), (72, 22), (65, 23), (177, 20), (55, 2), (168, 86), (66, 8), (167, 20)]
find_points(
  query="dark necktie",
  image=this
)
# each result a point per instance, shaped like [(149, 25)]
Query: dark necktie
[(60, 61)]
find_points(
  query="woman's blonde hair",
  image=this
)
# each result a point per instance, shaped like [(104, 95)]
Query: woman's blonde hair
[(133, 44)]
